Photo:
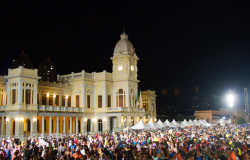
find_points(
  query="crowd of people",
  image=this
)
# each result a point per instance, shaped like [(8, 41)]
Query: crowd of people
[(200, 143)]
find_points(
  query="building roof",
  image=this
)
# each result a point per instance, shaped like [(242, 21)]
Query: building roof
[(124, 46)]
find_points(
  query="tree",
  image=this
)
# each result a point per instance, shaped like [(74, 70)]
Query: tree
[(241, 120)]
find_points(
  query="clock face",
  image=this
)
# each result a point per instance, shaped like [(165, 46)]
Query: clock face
[(132, 68), (120, 67)]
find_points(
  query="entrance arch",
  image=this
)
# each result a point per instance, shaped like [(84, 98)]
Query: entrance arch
[(132, 122), (100, 125), (13, 126), (27, 125), (88, 125)]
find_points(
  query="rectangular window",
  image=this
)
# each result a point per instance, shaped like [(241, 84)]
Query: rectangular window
[(88, 101), (28, 96), (109, 100), (77, 101), (99, 101), (69, 101), (51, 100), (120, 101), (37, 98), (44, 99), (13, 96), (57, 100), (63, 100)]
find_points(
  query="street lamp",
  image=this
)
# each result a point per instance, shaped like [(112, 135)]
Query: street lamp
[(230, 100)]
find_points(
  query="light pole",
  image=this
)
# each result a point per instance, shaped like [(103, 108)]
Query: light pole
[(230, 100)]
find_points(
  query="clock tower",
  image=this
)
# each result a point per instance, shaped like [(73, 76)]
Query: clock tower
[(124, 60)]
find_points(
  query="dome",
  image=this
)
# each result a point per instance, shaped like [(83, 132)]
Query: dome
[(124, 46)]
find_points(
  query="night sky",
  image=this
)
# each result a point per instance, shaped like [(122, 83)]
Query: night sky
[(181, 46)]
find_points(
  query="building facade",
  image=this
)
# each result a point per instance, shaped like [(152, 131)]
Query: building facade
[(77, 102)]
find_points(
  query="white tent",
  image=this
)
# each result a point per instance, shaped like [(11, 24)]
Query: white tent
[(175, 123), (197, 123), (167, 123), (201, 122), (126, 129), (140, 125), (185, 123), (160, 124), (205, 123), (191, 122), (153, 125)]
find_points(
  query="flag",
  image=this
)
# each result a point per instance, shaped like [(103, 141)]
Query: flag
[(140, 100)]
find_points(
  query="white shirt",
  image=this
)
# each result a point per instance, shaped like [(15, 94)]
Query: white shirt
[(83, 152)]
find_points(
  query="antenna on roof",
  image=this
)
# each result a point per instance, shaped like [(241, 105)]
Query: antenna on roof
[(123, 26)]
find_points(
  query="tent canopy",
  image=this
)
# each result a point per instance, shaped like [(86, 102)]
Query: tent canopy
[(167, 123), (153, 125), (175, 123), (160, 124), (185, 123), (141, 125)]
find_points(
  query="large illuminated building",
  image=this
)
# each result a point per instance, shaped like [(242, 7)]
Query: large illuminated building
[(77, 102)]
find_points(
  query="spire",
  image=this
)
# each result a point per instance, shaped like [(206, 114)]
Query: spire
[(123, 26)]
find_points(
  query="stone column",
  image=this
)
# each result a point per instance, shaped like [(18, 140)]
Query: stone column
[(104, 102), (2, 126), (64, 125), (76, 125), (135, 120), (60, 99), (40, 97), (82, 125), (95, 124), (8, 93), (35, 94), (33, 126), (72, 100), (20, 93), (24, 96), (128, 121), (114, 123), (106, 124), (57, 124), (114, 95), (70, 127), (94, 97), (50, 125), (83, 95), (119, 123), (42, 125), (127, 95), (31, 97)]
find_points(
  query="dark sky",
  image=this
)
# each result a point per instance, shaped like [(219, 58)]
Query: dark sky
[(181, 45)]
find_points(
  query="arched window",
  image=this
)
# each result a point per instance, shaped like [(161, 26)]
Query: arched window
[(132, 121), (120, 98), (28, 124), (88, 125), (69, 124), (100, 125), (37, 122)]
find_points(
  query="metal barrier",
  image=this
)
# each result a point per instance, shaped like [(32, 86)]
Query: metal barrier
[(24, 137)]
